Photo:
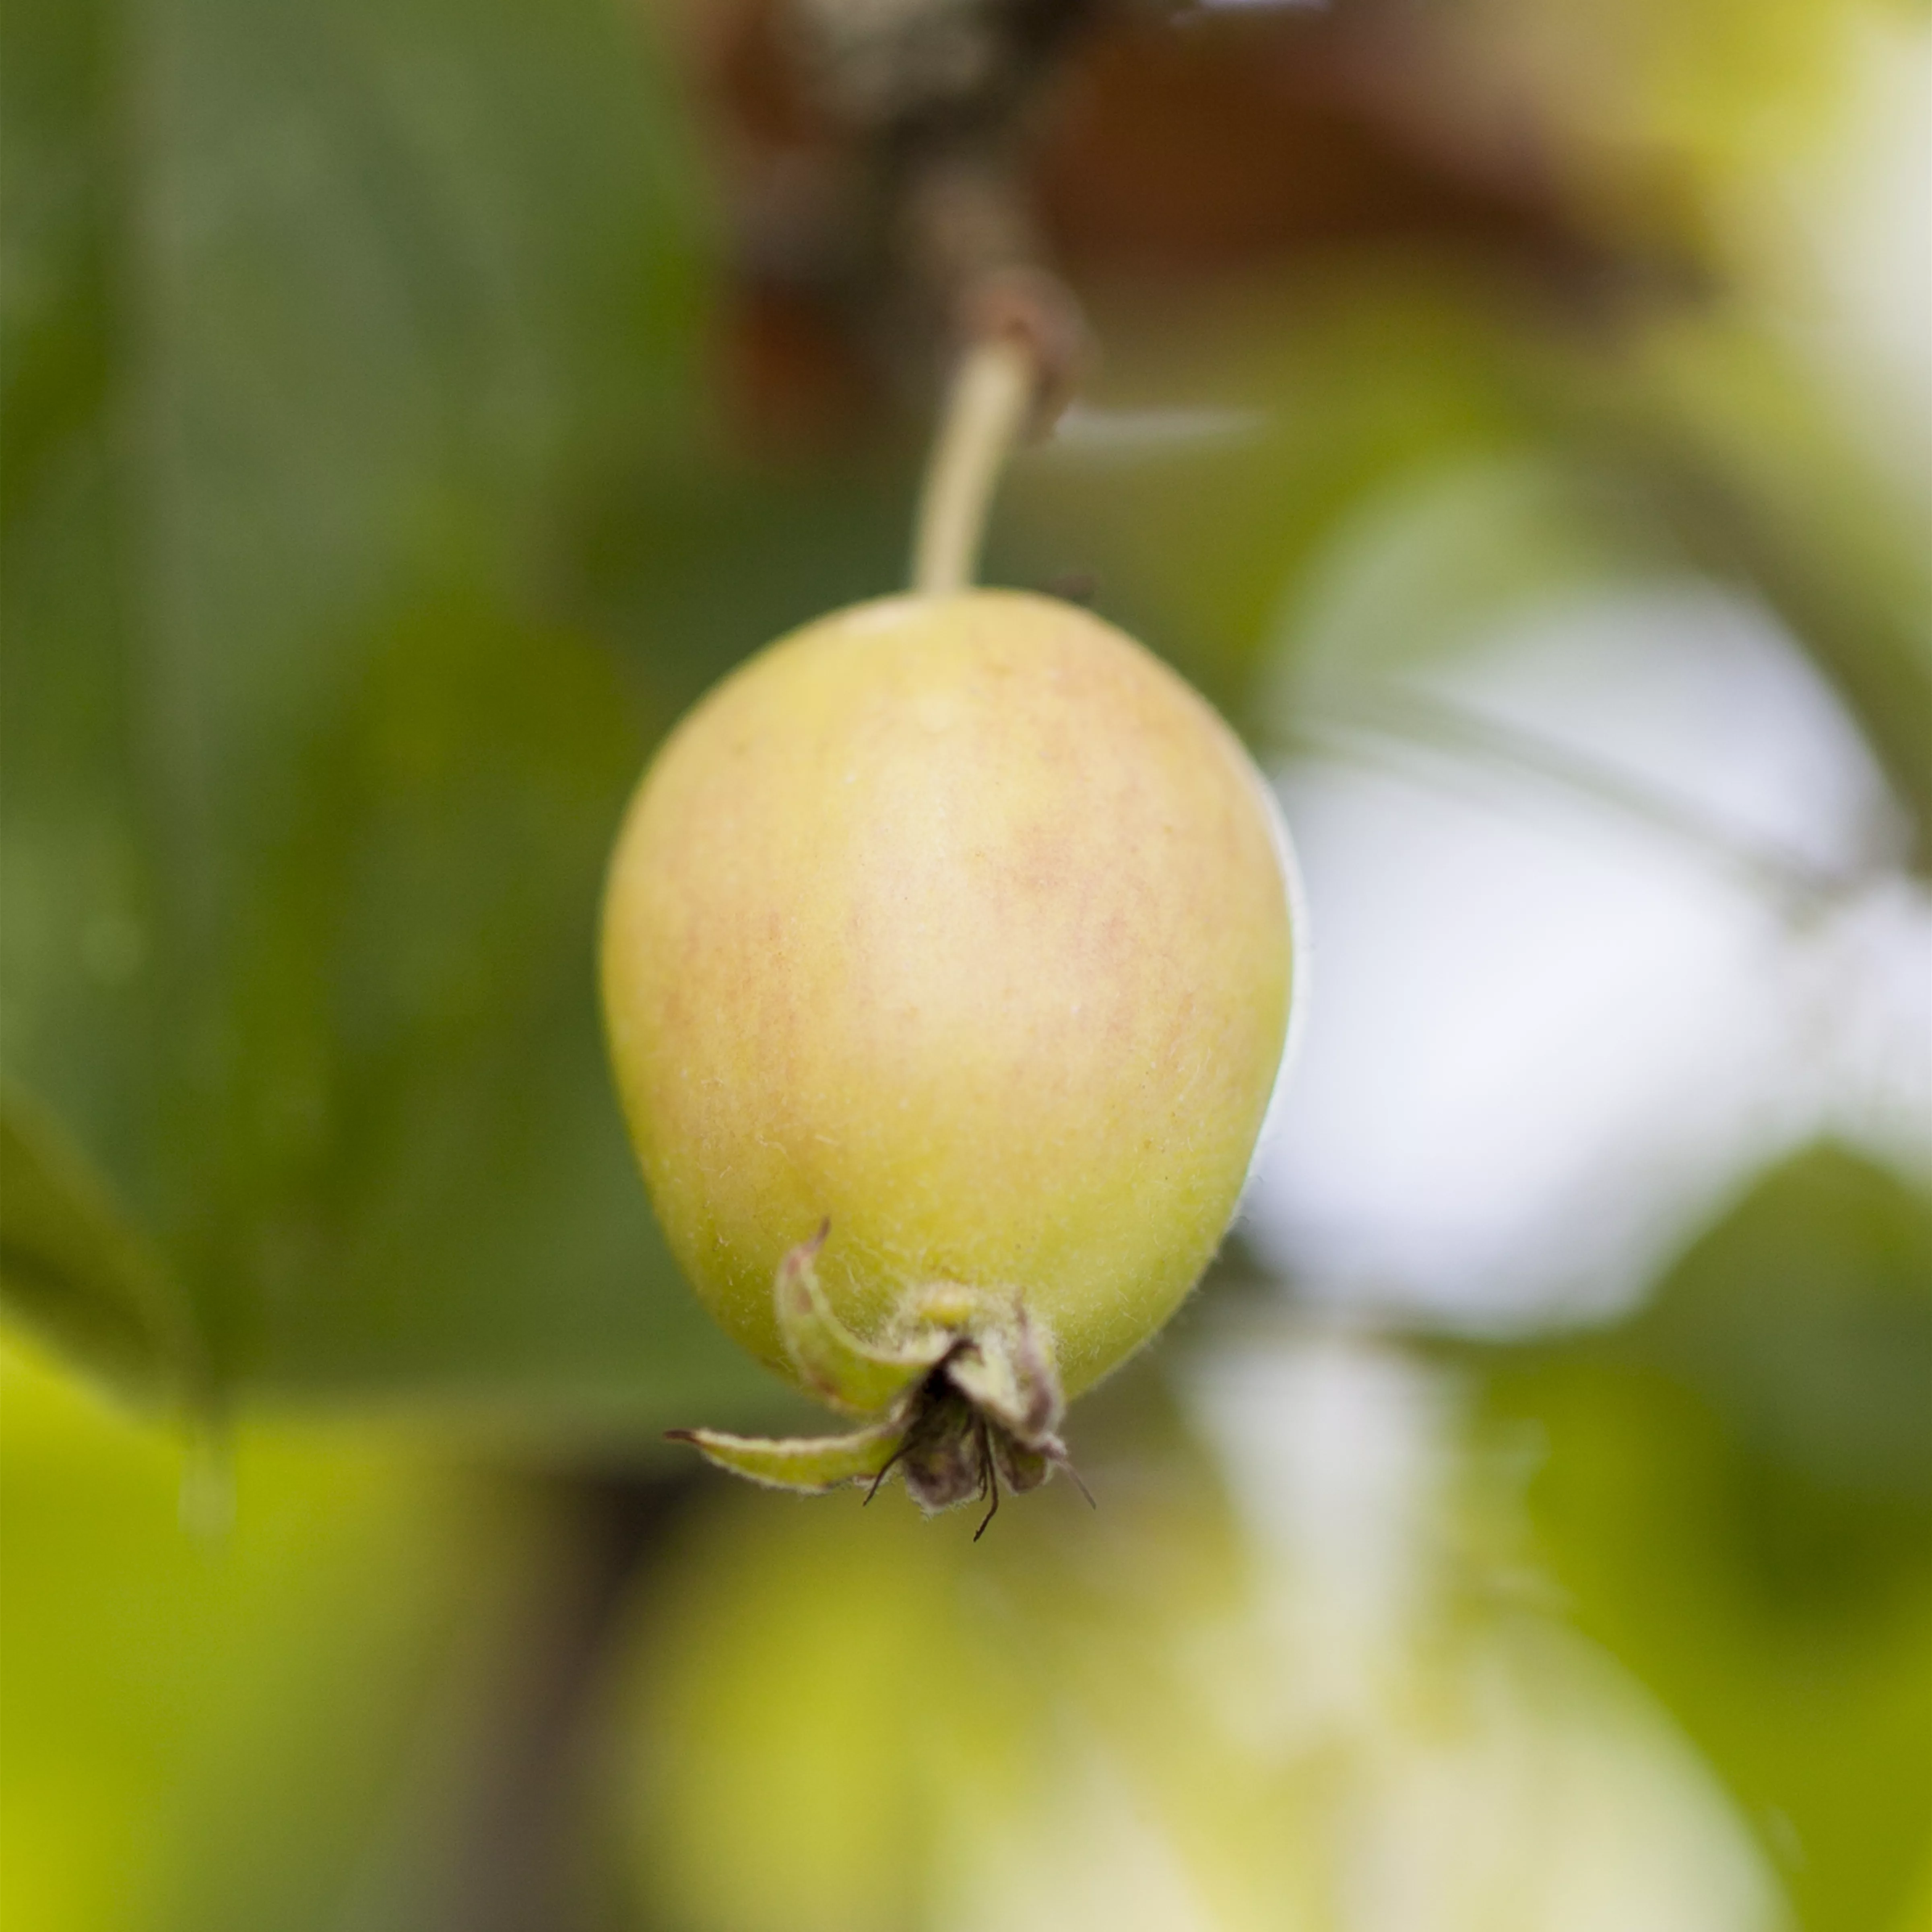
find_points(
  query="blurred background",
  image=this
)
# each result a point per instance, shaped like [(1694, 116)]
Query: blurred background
[(1516, 415)]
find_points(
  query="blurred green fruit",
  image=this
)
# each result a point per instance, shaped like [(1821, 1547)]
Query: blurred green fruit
[(961, 924)]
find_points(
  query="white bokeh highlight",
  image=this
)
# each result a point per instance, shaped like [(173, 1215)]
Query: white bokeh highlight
[(1549, 1035)]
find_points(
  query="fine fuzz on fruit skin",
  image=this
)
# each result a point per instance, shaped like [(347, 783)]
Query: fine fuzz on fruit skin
[(958, 923)]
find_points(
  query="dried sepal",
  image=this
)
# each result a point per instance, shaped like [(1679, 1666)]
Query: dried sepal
[(808, 1464), (968, 1400), (1006, 1373), (1020, 1467), (856, 1377)]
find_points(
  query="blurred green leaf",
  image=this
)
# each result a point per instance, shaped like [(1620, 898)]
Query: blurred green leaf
[(322, 325), (282, 1725), (1804, 1322), (1737, 1496), (70, 1268)]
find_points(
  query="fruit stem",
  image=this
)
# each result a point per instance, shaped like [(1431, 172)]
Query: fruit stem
[(987, 411)]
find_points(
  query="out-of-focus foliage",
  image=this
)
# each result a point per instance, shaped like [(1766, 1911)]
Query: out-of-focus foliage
[(1736, 1490), (322, 327), (237, 1727), (859, 1723), (70, 1265)]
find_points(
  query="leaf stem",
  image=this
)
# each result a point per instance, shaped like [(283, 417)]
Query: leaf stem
[(987, 408)]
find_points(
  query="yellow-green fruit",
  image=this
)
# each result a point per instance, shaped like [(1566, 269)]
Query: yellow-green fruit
[(960, 922)]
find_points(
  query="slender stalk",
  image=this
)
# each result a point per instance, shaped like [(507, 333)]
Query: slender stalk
[(987, 410)]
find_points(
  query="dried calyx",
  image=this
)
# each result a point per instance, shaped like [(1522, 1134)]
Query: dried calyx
[(962, 1399)]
